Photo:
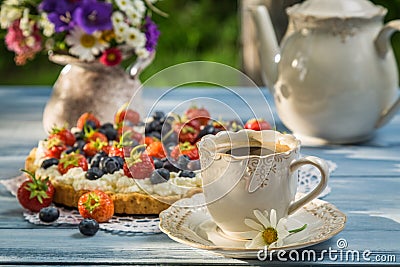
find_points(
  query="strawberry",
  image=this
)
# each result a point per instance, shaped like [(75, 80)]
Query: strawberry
[(93, 135), (185, 149), (199, 114), (149, 139), (257, 125), (84, 118), (64, 135), (126, 116), (139, 164), (35, 194), (156, 149), (130, 134), (72, 160), (96, 205), (93, 147), (186, 132), (123, 147), (54, 148)]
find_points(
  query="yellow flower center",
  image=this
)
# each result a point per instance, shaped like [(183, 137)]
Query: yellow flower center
[(111, 57), (132, 37), (87, 40), (270, 235)]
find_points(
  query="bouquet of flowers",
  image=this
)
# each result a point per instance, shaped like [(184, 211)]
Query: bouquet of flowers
[(89, 30)]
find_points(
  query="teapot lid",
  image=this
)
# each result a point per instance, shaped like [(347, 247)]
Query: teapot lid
[(337, 8)]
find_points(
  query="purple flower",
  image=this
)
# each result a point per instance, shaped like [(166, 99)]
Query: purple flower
[(152, 34), (93, 16), (59, 13)]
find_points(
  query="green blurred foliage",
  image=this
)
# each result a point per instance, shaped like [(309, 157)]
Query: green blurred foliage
[(194, 30)]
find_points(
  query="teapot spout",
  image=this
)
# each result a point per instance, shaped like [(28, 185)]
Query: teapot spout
[(269, 49)]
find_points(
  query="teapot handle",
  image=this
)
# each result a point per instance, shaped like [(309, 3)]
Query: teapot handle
[(382, 45), (382, 40), (139, 65)]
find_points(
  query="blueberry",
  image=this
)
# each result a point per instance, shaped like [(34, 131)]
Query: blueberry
[(208, 129), (79, 144), (159, 176), (109, 165), (169, 166), (107, 125), (171, 139), (157, 163), (49, 214), (111, 133), (183, 161), (119, 160), (49, 162), (69, 150), (186, 173), (94, 173), (95, 162), (158, 115), (194, 165), (88, 227), (90, 124)]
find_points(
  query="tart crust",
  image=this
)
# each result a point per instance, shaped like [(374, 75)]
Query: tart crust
[(124, 203)]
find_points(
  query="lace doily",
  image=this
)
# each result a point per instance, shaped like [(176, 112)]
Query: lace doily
[(309, 177)]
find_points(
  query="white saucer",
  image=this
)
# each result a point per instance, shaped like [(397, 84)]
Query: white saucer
[(188, 222)]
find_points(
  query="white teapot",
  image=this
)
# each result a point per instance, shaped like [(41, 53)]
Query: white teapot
[(334, 78)]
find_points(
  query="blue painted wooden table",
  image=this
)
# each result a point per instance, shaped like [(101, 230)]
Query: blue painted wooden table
[(365, 186)]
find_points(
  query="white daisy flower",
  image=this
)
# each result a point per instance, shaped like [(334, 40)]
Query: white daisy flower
[(134, 17), (267, 232), (135, 38), (85, 46), (121, 31), (139, 6), (123, 4), (142, 52), (117, 18)]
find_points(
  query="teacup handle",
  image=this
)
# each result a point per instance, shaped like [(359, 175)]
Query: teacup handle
[(324, 170)]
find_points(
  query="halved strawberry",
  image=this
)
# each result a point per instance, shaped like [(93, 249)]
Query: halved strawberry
[(35, 194), (257, 125), (72, 160), (124, 114), (199, 114), (54, 147), (93, 135), (156, 149), (186, 132), (93, 147), (139, 164), (63, 134), (187, 149)]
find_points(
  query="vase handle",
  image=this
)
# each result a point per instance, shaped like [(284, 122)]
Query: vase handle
[(139, 65)]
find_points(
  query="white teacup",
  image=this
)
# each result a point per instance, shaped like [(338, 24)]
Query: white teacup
[(247, 170)]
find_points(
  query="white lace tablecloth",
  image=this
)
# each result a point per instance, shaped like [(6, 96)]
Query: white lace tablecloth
[(309, 177)]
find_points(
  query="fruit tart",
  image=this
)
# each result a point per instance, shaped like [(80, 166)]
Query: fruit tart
[(126, 159)]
